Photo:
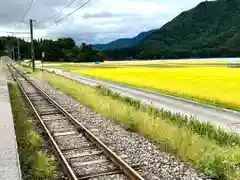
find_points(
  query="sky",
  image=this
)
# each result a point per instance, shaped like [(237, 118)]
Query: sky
[(100, 21)]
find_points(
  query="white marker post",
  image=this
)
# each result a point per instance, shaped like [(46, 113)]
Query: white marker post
[(43, 55)]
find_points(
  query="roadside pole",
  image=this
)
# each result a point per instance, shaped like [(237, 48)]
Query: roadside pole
[(43, 55), (32, 45), (19, 58), (13, 52), (13, 49)]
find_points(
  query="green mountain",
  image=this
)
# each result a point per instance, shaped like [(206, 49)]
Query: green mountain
[(122, 43), (211, 29)]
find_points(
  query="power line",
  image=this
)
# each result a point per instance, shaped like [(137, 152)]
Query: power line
[(70, 3), (81, 6), (27, 10), (14, 32)]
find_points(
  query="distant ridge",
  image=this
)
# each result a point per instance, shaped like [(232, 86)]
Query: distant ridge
[(123, 43)]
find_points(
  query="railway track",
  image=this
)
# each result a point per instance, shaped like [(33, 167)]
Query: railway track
[(81, 154)]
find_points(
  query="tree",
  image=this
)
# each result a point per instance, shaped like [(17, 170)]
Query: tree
[(2, 46), (62, 49), (66, 43)]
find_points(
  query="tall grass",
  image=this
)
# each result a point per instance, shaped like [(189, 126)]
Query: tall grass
[(35, 164), (218, 161), (204, 129)]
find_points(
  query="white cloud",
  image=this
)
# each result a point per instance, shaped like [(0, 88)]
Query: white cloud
[(99, 21)]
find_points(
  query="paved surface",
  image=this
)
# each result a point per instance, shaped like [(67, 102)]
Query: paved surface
[(9, 164), (226, 119)]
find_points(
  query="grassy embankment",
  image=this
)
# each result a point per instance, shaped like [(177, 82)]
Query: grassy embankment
[(217, 86), (35, 163), (214, 152)]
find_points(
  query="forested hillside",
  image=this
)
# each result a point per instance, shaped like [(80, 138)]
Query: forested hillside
[(123, 43), (62, 49), (211, 29)]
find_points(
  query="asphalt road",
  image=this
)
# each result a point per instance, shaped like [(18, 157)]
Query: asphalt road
[(224, 118)]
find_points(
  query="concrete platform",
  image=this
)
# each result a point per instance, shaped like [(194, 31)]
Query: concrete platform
[(9, 162)]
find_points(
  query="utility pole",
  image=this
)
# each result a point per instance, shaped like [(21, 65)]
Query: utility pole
[(13, 49), (13, 52), (18, 48), (32, 45), (19, 58)]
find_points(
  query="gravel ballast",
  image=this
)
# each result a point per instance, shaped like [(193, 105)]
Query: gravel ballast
[(154, 164)]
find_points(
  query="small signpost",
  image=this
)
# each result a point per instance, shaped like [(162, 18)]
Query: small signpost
[(43, 55)]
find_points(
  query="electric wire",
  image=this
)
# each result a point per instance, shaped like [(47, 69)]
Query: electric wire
[(81, 6), (70, 3), (27, 10)]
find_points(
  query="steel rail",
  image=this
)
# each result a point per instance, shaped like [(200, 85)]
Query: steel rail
[(126, 169), (67, 168)]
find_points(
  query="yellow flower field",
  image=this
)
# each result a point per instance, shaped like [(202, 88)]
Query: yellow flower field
[(214, 85)]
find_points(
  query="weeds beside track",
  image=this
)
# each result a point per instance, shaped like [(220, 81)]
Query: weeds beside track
[(35, 164)]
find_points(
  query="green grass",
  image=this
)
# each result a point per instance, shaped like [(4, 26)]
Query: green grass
[(205, 129), (35, 164), (207, 153)]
